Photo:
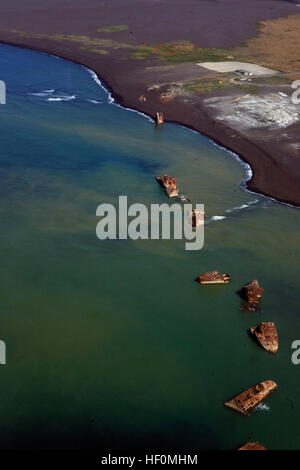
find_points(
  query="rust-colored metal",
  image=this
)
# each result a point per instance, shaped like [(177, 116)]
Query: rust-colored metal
[(169, 185), (172, 192), (159, 118), (196, 217), (214, 277), (266, 334), (246, 401), (253, 291), (252, 446), (166, 181)]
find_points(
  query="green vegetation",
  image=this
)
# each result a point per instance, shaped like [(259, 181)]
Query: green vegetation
[(112, 29), (208, 85), (205, 85), (181, 52), (142, 53)]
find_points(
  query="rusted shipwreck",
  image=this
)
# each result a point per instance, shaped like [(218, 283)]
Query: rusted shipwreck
[(252, 446), (266, 334), (252, 292), (159, 118), (214, 277), (196, 217), (247, 401), (169, 185)]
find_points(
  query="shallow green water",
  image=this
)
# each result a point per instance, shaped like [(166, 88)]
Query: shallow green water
[(112, 345)]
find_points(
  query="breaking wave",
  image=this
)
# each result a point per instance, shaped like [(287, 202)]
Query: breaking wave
[(42, 93), (110, 97), (95, 101), (243, 206), (62, 98), (50, 95), (218, 217)]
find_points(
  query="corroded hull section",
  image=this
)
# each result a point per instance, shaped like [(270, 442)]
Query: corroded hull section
[(252, 446), (169, 185), (252, 292), (266, 335), (159, 118), (246, 401), (196, 218), (214, 277), (166, 181)]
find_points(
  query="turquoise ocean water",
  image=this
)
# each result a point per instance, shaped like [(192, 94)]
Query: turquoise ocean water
[(111, 344)]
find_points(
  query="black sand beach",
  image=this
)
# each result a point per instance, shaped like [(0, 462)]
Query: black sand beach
[(68, 28)]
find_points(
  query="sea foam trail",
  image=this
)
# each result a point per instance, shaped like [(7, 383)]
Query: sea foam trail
[(42, 93), (218, 217), (50, 95), (243, 206), (62, 98)]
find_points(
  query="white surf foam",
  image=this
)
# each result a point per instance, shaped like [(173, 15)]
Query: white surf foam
[(243, 206), (262, 407), (62, 98), (42, 93), (218, 217), (110, 97)]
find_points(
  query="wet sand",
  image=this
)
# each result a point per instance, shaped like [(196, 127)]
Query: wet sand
[(219, 24)]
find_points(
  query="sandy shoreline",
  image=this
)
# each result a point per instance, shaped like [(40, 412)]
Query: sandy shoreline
[(272, 175)]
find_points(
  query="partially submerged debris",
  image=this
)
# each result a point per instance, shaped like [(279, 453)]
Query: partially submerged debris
[(142, 98), (184, 198), (172, 192), (166, 181), (252, 292), (214, 277), (246, 401), (252, 446), (267, 336), (196, 217), (169, 185), (159, 118)]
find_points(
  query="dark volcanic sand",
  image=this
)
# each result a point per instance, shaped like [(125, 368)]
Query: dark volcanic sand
[(209, 23)]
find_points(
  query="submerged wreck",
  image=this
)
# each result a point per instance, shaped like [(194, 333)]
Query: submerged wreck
[(159, 118), (252, 292), (266, 335), (196, 217), (252, 446), (169, 185), (214, 277), (247, 401)]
